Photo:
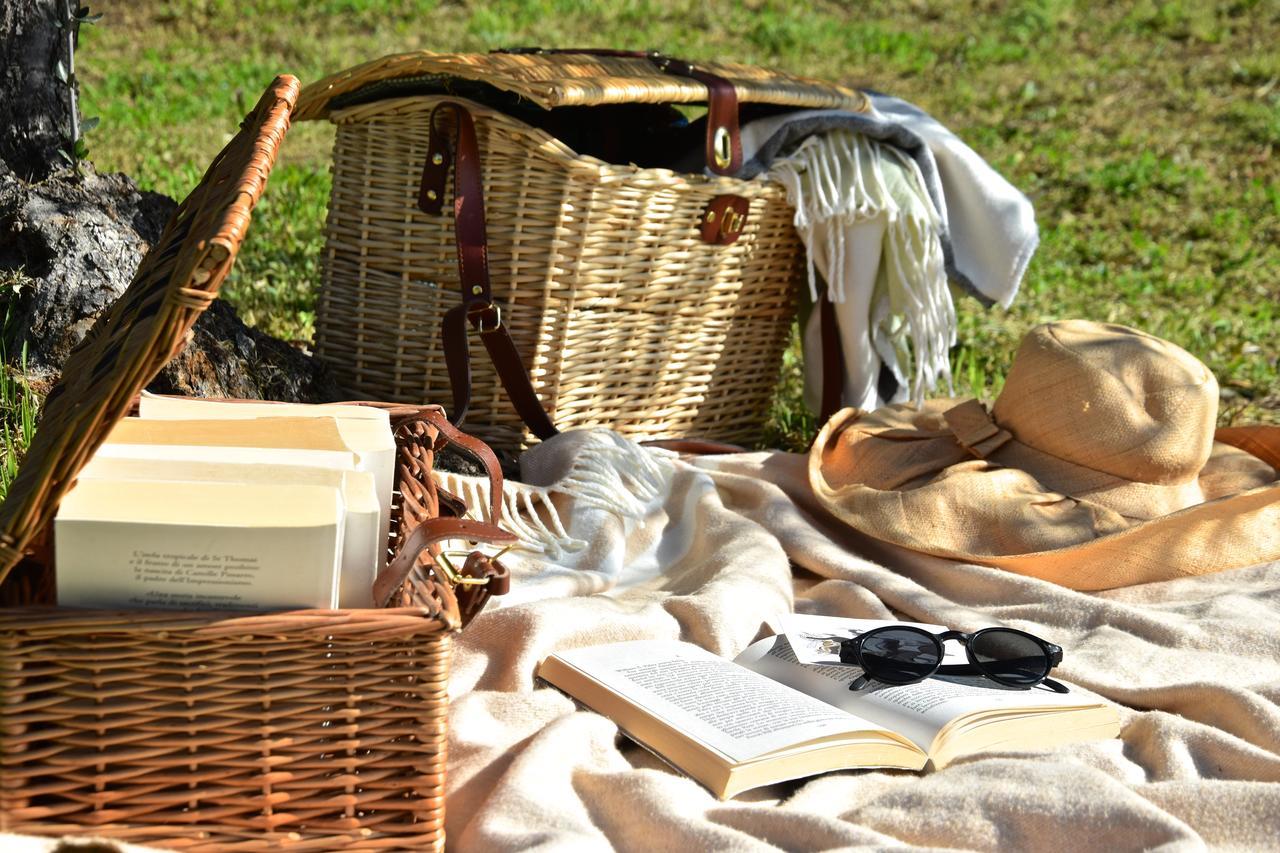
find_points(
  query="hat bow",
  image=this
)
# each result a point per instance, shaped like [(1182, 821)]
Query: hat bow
[(974, 430)]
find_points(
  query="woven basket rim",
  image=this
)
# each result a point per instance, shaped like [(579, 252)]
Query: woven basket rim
[(580, 79), (583, 165), (59, 621)]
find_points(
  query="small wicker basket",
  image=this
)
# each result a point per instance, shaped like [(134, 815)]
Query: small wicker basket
[(303, 730), (623, 313)]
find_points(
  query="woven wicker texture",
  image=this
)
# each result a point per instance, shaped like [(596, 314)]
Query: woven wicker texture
[(140, 332), (310, 730), (324, 729), (579, 79), (306, 730), (623, 315)]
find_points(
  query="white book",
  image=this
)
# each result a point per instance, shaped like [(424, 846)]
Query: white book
[(185, 545), (767, 717), (361, 546), (365, 429), (182, 453)]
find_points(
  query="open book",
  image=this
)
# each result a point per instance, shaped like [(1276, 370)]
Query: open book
[(766, 717)]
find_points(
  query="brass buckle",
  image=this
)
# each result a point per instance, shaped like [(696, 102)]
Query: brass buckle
[(456, 577), (497, 321), (732, 223), (723, 147)]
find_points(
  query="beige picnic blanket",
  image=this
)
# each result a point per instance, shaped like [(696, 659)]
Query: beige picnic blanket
[(623, 544), (630, 547)]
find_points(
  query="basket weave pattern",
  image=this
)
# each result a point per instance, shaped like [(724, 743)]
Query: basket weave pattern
[(227, 734), (309, 730), (210, 732), (623, 315)]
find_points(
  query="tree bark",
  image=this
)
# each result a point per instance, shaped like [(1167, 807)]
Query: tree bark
[(34, 107), (71, 240)]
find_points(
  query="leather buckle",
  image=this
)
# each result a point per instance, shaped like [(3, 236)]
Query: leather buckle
[(468, 576), (723, 147), (724, 219), (477, 318)]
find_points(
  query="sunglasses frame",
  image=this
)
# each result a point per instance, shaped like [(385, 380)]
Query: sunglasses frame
[(851, 653)]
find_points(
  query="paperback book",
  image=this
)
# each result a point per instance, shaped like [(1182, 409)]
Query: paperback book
[(768, 717), (220, 505)]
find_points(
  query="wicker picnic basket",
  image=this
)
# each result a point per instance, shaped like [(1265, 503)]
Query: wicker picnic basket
[(301, 730), (654, 301)]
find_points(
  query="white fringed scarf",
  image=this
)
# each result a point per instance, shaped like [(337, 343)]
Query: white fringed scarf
[(596, 471), (839, 182)]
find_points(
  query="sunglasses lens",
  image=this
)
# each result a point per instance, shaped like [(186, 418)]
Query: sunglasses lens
[(900, 655), (1009, 656)]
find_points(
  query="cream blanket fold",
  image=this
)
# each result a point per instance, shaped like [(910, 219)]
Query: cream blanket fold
[(1195, 663)]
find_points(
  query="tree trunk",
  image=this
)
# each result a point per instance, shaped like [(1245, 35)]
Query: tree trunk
[(71, 240), (34, 104)]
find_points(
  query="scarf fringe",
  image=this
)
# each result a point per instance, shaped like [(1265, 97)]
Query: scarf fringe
[(609, 473), (838, 179)]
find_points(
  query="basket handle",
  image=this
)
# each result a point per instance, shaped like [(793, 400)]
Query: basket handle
[(724, 137), (477, 309), (477, 449), (481, 577)]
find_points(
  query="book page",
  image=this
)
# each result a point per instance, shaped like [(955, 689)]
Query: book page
[(366, 430), (739, 713), (917, 711)]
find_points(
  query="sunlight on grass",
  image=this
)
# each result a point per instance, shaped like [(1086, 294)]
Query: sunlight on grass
[(1145, 133)]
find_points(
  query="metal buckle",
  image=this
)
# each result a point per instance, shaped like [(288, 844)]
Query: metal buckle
[(723, 148), (456, 577), (479, 318)]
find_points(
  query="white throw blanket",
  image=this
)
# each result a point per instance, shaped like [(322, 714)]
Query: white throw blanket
[(739, 539), (874, 236), (889, 203), (727, 542)]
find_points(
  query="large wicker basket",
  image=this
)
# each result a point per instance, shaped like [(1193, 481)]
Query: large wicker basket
[(303, 730), (623, 313)]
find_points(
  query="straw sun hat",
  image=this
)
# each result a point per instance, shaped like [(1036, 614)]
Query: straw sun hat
[(1097, 467)]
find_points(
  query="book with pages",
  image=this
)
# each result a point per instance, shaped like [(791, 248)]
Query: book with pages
[(769, 716), (201, 504)]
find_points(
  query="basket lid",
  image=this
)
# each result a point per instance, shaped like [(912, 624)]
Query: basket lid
[(134, 338), (568, 78)]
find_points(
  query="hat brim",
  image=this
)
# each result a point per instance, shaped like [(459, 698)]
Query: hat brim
[(900, 478)]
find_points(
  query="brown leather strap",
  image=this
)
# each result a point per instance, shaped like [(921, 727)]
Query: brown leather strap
[(480, 451), (832, 359), (477, 309), (473, 597), (724, 137), (426, 534)]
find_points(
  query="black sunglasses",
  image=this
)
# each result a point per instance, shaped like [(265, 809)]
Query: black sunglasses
[(900, 654)]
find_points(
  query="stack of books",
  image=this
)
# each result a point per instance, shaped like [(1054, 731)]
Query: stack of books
[(200, 504)]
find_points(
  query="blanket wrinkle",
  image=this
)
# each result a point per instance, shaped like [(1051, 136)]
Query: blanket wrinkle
[(731, 543), (1171, 748)]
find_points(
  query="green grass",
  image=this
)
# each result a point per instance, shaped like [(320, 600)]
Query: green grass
[(19, 411), (1145, 133)]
